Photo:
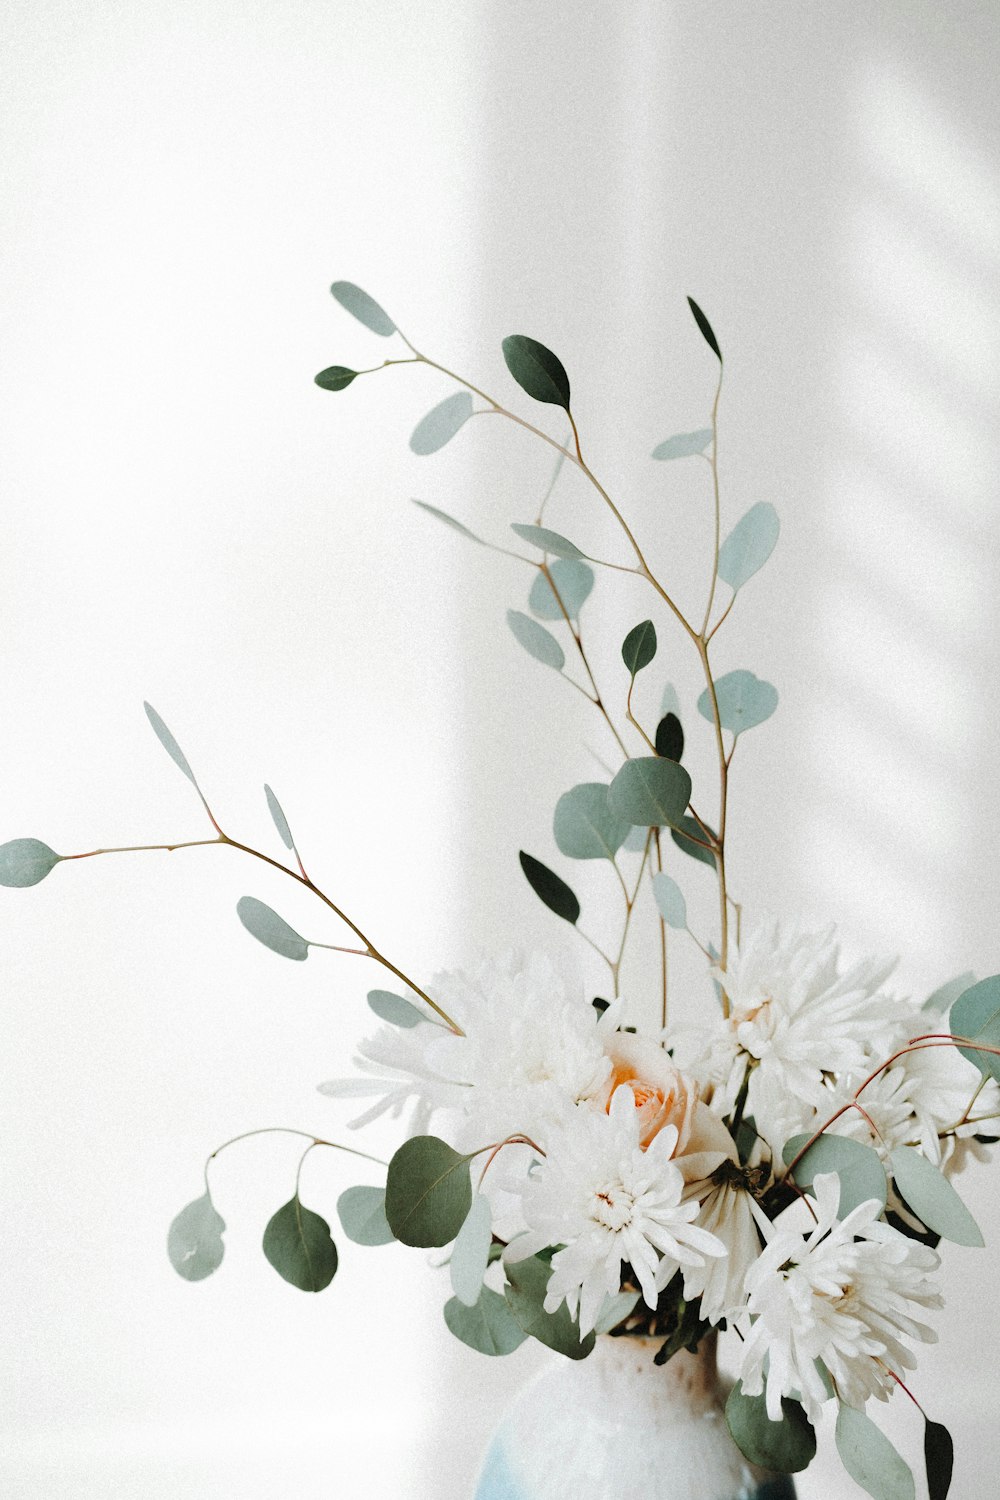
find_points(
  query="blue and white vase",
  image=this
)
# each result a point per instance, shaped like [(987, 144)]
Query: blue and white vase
[(617, 1425)]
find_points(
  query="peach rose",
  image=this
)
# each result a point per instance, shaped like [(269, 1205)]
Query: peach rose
[(663, 1096)]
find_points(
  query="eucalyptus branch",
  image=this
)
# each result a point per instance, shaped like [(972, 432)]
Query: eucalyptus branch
[(577, 635), (629, 907), (305, 1135), (663, 938)]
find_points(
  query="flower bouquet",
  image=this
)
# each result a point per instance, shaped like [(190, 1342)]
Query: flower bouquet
[(778, 1165)]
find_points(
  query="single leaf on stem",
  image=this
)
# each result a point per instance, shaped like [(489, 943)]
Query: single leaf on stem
[(169, 744), (270, 929), (364, 308), (651, 792), (670, 901), (550, 888), (536, 370), (391, 1007), (279, 819), (870, 1459), (546, 540), (361, 1211), (194, 1240), (536, 640), (976, 1015), (571, 584), (932, 1197), (749, 545), (441, 423), (489, 1326), (744, 701), (706, 328), (939, 1458), (25, 862), (669, 738), (639, 647), (428, 1192), (335, 378), (858, 1167), (297, 1243), (585, 826)]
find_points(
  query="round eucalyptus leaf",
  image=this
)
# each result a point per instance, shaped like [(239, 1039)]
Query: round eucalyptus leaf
[(670, 901), (335, 378), (857, 1166), (391, 1007), (788, 1446), (279, 819), (939, 1458), (650, 792), (550, 888), (298, 1245), (25, 862), (584, 825), (571, 582), (687, 835), (639, 646), (749, 545), (471, 1252), (194, 1240), (635, 843), (428, 1192), (932, 1197), (944, 997), (536, 370), (525, 1293), (685, 444), (361, 1211), (744, 701), (488, 1327), (546, 540), (536, 640), (442, 515), (168, 742), (441, 423), (870, 1459), (706, 328), (363, 307), (669, 738), (270, 929), (976, 1015)]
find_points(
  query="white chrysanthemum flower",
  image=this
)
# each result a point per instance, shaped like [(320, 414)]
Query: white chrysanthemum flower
[(845, 1295), (529, 1053), (793, 1017), (727, 1210), (606, 1200)]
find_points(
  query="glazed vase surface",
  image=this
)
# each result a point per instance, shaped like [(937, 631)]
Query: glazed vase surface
[(615, 1426)]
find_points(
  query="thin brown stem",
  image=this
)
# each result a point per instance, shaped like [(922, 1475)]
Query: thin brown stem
[(663, 939)]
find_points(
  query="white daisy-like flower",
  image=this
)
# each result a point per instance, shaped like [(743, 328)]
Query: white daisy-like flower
[(606, 1200), (844, 1294), (793, 1015)]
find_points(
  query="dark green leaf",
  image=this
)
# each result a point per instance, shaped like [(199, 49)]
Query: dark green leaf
[(362, 1213), (858, 1167), (932, 1197), (26, 861), (788, 1446), (428, 1192), (280, 821), (363, 307), (744, 701), (639, 647), (749, 545), (525, 1294), (685, 836), (685, 444), (870, 1459), (572, 582), (939, 1456), (335, 378), (194, 1240), (443, 515), (669, 738), (546, 540), (536, 640), (584, 825), (441, 423), (270, 929), (394, 1009), (536, 370), (670, 900), (549, 888), (976, 1015), (298, 1245), (489, 1327), (168, 742), (706, 328), (650, 792)]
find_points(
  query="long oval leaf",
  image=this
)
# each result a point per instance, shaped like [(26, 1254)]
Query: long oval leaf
[(870, 1459), (976, 1014), (689, 837), (547, 541), (536, 640), (939, 1457), (441, 423), (932, 1197), (706, 328), (297, 1244), (639, 647), (749, 545), (363, 307), (550, 888), (335, 378), (25, 862), (168, 742), (279, 819), (536, 370), (270, 929), (442, 515), (684, 444), (670, 900)]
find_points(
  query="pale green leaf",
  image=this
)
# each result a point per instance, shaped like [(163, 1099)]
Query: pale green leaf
[(194, 1240), (572, 582), (941, 999), (168, 742), (270, 929), (584, 825), (391, 1007), (536, 640), (442, 515), (280, 821), (932, 1197), (441, 423), (684, 444), (749, 545), (976, 1015), (489, 1327), (614, 1310), (363, 307), (744, 701), (547, 541), (25, 862), (870, 1459), (858, 1167), (670, 900), (362, 1213), (471, 1252)]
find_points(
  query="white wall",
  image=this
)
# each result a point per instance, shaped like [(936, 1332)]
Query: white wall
[(189, 520)]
